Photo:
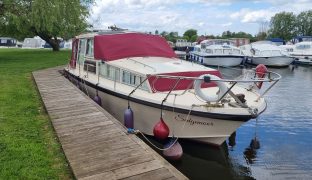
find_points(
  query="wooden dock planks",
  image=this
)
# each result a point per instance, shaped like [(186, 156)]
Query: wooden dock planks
[(96, 145)]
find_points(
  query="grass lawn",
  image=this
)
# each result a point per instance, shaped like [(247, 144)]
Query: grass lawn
[(28, 145)]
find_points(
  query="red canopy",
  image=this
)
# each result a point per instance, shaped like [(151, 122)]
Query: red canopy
[(118, 46), (166, 84)]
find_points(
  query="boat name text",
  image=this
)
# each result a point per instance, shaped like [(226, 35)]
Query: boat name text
[(192, 122)]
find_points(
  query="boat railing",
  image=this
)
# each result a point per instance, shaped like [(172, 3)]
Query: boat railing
[(249, 76), (270, 78), (145, 65)]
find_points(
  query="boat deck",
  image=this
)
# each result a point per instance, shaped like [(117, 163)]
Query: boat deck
[(95, 144)]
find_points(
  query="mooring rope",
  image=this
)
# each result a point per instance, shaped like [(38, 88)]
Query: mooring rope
[(84, 84)]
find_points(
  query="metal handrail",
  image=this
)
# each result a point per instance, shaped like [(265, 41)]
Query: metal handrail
[(234, 82), (254, 79), (145, 65)]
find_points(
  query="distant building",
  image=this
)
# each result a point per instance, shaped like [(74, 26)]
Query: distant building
[(7, 41), (240, 41)]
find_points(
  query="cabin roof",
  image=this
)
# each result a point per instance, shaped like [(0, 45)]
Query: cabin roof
[(158, 65), (110, 47)]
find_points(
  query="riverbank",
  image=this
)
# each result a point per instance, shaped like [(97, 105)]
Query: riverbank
[(29, 148)]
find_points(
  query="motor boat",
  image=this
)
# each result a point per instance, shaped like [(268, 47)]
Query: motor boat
[(217, 52), (302, 52), (182, 44), (139, 73), (264, 52)]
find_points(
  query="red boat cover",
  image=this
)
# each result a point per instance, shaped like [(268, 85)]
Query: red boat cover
[(166, 84), (118, 46), (73, 58)]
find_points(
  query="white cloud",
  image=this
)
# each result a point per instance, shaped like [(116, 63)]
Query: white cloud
[(201, 24), (207, 16), (252, 16), (227, 24)]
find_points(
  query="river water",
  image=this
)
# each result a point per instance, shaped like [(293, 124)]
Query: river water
[(284, 132)]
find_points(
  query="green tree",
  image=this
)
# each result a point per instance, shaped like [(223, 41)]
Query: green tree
[(304, 23), (188, 34), (194, 38), (186, 38), (156, 32), (283, 25), (242, 35), (171, 36), (44, 18), (164, 34), (261, 36), (227, 34)]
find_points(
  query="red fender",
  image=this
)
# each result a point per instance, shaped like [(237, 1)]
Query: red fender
[(261, 71), (161, 130)]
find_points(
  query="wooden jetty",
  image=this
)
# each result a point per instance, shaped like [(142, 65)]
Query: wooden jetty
[(96, 145)]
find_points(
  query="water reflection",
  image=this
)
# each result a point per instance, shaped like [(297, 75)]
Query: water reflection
[(201, 161), (285, 131), (250, 152)]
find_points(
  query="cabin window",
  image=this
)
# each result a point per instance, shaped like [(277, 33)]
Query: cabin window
[(226, 51), (209, 51), (144, 85), (3, 41), (218, 51), (82, 51), (89, 47), (126, 77), (276, 53), (133, 80), (236, 51), (110, 72), (303, 46)]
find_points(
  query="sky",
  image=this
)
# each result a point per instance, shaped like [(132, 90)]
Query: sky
[(206, 16)]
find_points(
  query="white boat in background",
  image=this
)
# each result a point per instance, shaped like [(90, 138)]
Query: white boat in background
[(140, 73), (288, 47), (217, 52), (182, 44), (302, 52), (264, 52), (180, 54), (35, 42)]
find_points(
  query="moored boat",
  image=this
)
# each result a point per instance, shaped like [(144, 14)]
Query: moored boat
[(140, 71), (217, 52), (302, 52), (264, 52)]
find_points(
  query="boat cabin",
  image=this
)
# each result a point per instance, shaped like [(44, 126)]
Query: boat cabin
[(219, 47), (130, 57)]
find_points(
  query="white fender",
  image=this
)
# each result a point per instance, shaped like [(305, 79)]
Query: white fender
[(213, 97)]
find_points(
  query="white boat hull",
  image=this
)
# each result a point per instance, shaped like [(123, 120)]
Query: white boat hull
[(277, 61), (219, 60), (303, 59), (203, 129)]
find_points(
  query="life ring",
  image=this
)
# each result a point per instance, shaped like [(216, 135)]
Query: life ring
[(209, 98)]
